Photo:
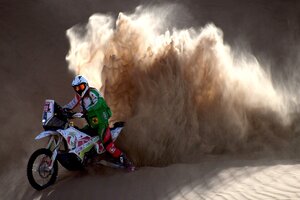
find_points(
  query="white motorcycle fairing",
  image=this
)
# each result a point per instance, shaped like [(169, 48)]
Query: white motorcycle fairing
[(79, 143), (46, 134)]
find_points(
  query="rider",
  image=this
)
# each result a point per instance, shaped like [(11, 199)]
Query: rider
[(97, 113)]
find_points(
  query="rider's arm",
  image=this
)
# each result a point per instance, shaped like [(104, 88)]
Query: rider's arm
[(73, 103), (95, 96)]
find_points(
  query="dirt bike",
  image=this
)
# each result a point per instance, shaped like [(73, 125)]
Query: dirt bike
[(68, 145)]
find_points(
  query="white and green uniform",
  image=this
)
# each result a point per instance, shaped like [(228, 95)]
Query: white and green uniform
[(95, 107)]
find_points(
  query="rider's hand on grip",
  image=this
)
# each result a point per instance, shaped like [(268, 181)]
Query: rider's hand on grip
[(66, 110), (68, 113)]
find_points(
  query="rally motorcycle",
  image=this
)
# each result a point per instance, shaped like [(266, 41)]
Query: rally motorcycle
[(71, 147)]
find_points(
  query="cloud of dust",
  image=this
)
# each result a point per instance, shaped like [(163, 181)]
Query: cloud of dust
[(183, 93)]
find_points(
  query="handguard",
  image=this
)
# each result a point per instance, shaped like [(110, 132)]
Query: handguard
[(77, 115)]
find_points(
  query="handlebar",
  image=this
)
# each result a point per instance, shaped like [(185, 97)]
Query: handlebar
[(71, 115), (67, 113)]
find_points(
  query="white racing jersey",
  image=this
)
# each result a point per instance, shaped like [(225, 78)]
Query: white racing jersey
[(90, 99)]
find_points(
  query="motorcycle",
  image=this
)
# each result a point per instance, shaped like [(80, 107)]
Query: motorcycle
[(71, 147)]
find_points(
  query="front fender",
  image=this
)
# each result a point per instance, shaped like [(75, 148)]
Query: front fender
[(46, 134)]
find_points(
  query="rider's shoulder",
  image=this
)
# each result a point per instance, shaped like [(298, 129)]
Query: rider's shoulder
[(95, 91)]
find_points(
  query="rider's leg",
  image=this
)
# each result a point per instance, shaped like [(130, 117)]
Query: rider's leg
[(114, 151), (109, 145)]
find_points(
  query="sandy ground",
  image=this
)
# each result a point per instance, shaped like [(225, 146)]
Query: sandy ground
[(33, 46), (210, 179)]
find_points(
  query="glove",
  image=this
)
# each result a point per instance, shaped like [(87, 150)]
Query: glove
[(66, 110)]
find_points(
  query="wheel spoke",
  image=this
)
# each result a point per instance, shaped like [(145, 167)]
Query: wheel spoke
[(40, 172)]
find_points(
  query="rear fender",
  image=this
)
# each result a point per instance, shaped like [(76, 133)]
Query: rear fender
[(115, 133)]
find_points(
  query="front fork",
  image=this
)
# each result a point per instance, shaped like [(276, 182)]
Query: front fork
[(53, 145)]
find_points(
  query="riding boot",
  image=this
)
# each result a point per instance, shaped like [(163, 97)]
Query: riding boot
[(126, 163)]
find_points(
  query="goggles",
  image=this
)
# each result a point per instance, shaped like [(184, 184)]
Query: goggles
[(79, 88)]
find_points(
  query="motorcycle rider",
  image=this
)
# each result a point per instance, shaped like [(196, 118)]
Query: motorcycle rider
[(96, 113)]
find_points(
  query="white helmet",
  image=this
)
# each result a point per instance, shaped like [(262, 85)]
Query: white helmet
[(80, 85)]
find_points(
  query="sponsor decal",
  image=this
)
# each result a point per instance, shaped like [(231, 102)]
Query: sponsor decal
[(78, 143), (79, 149), (99, 147), (95, 139), (95, 120), (47, 107), (83, 141), (72, 140), (112, 149)]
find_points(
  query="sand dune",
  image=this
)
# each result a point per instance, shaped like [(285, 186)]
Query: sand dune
[(210, 179)]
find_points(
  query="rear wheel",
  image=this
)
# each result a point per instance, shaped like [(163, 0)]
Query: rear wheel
[(38, 172)]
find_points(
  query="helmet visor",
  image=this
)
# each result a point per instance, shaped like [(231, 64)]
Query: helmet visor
[(79, 88)]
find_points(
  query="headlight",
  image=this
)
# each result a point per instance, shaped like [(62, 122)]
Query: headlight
[(43, 121)]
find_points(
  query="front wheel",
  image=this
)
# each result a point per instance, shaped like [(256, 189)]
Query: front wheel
[(38, 172)]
